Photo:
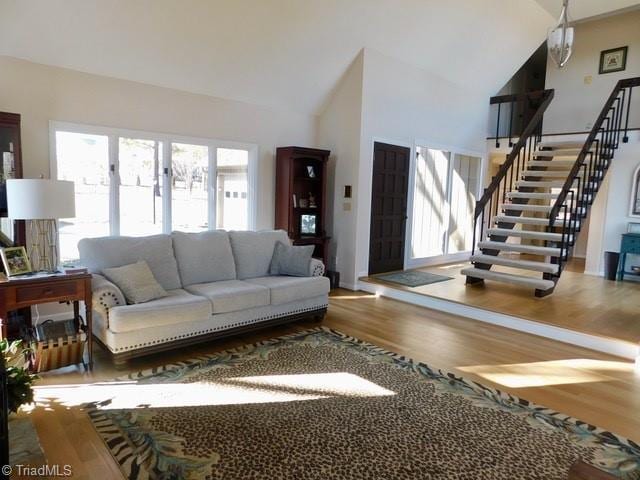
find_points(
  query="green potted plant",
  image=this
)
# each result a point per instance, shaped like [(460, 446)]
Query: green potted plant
[(19, 379)]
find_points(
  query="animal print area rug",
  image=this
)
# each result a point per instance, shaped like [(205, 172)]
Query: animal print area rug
[(321, 405)]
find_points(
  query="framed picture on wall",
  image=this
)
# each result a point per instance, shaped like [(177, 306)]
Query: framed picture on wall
[(634, 210), (613, 60)]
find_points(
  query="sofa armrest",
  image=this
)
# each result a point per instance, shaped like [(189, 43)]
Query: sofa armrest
[(316, 268), (105, 295)]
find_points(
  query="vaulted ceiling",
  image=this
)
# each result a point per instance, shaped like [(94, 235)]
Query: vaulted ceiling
[(286, 54), (583, 9)]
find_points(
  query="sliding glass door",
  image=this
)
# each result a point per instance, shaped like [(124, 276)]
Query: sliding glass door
[(446, 187)]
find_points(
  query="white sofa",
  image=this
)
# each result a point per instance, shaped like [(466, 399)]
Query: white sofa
[(218, 283)]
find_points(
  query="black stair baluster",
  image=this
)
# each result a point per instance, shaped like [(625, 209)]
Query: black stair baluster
[(625, 138), (498, 128)]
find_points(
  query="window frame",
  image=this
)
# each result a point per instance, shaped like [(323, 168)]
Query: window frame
[(114, 134)]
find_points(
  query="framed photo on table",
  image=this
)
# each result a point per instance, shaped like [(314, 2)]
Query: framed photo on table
[(15, 261)]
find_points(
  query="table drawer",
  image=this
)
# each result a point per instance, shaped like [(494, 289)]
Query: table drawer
[(42, 293), (631, 244)]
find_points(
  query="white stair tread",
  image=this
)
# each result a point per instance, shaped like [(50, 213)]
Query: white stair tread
[(516, 247), (532, 221), (552, 163), (523, 207), (545, 184), (537, 196), (545, 173), (544, 267), (530, 234), (537, 283), (561, 144), (557, 153), (556, 173)]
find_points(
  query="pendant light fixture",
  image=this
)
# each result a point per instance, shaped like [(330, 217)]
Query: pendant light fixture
[(560, 39)]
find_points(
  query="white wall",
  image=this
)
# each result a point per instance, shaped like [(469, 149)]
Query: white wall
[(339, 129), (577, 104), (404, 105), (41, 93), (610, 214)]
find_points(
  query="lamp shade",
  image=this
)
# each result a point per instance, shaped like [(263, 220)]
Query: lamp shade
[(40, 199)]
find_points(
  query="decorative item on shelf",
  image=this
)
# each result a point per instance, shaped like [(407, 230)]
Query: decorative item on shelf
[(613, 60), (312, 201), (15, 261), (308, 224), (635, 269), (311, 172), (304, 203), (295, 201), (560, 38), (43, 202)]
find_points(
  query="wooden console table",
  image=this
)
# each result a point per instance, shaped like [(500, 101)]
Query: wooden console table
[(26, 291), (630, 244)]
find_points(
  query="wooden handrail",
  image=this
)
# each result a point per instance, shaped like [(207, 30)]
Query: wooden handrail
[(546, 96), (516, 97), (562, 196)]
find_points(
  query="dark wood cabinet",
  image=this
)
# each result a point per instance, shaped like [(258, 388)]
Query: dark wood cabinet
[(10, 167), (301, 183)]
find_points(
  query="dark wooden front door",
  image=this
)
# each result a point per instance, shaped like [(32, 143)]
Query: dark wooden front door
[(388, 207)]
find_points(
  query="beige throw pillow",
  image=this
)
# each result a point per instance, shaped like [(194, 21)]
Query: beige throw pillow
[(136, 282)]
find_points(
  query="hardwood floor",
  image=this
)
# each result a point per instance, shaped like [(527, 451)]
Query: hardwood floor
[(594, 387), (583, 303)]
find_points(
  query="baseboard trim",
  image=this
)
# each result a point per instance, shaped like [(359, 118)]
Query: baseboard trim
[(349, 286), (618, 348)]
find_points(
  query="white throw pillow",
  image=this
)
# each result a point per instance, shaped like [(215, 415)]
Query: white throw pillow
[(136, 282)]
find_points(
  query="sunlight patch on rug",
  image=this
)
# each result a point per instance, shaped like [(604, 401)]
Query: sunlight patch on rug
[(229, 391)]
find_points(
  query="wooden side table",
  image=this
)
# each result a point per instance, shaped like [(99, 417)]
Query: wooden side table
[(27, 291)]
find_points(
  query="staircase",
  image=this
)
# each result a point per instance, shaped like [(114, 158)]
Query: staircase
[(529, 216)]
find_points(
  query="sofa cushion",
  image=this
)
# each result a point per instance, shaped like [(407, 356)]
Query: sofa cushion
[(253, 251), (232, 295), (157, 250), (290, 260), (204, 257), (136, 282), (291, 289), (177, 307)]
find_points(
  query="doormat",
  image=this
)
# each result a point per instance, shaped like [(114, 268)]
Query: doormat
[(412, 278)]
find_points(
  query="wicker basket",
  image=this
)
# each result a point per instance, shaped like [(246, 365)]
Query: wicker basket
[(56, 353)]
